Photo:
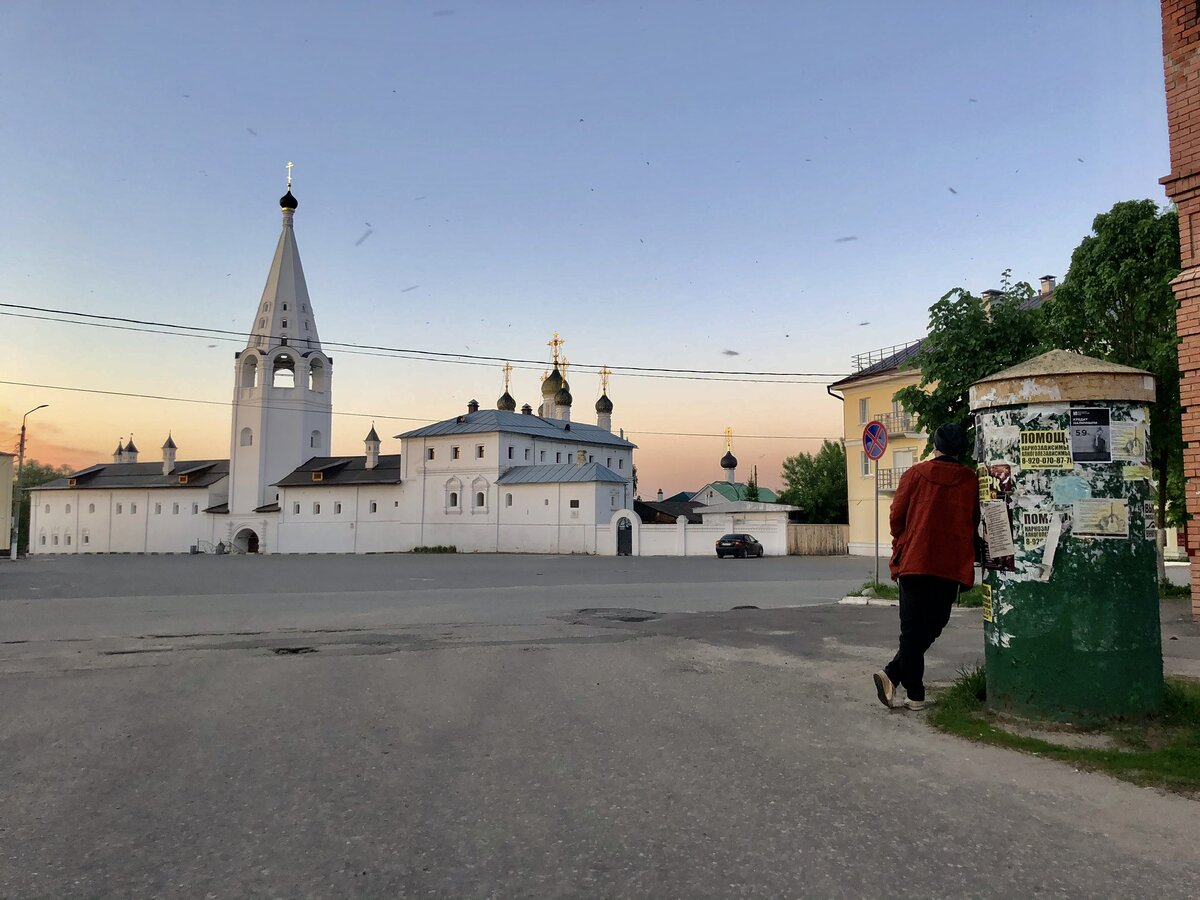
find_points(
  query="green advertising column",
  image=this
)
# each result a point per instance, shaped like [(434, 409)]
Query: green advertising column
[(1071, 620)]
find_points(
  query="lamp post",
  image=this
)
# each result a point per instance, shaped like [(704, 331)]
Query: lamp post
[(16, 524)]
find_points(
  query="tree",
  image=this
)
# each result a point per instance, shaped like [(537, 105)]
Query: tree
[(969, 338), (1116, 303), (752, 486), (33, 473), (817, 484)]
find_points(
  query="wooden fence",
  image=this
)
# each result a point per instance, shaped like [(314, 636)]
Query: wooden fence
[(818, 540)]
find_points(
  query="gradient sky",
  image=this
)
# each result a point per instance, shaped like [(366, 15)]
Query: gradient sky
[(660, 182)]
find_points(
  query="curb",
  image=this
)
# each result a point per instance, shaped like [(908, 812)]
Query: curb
[(867, 601)]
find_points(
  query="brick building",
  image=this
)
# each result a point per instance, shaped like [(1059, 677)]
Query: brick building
[(1181, 65)]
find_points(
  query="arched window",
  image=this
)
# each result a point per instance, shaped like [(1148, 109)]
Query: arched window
[(68, 538), (508, 499), (250, 372), (68, 507), (284, 323), (285, 308), (479, 499), (453, 499), (47, 507), (314, 439), (247, 438), (374, 506), (317, 377), (91, 507), (283, 371)]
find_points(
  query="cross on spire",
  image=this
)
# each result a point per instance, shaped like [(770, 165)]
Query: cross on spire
[(289, 168), (604, 375), (554, 345), (507, 375), (729, 439), (563, 367)]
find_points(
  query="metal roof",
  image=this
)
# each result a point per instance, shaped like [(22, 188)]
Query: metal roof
[(200, 473), (562, 473), (337, 470), (487, 420)]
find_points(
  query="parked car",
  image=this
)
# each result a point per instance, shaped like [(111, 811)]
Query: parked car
[(741, 545)]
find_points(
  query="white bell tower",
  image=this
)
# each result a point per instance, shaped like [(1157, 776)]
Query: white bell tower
[(282, 395)]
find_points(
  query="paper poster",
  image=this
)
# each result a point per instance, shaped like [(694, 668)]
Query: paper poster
[(1150, 517), (1035, 525), (1135, 473), (1052, 538), (1129, 441), (998, 530), (985, 489), (1090, 437), (1000, 480), (1047, 449), (1101, 518), (986, 590)]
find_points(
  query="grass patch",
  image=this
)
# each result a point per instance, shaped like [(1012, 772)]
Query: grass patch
[(1163, 751), (880, 589), (972, 598), (1169, 591), (436, 548)]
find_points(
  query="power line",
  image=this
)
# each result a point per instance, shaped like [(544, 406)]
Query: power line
[(227, 403), (437, 355)]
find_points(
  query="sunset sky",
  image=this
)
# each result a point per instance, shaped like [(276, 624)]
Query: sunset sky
[(766, 187)]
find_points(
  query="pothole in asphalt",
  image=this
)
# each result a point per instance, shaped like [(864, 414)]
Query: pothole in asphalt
[(620, 615), (292, 651)]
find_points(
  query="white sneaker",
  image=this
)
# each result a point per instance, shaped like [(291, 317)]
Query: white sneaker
[(914, 704), (885, 690)]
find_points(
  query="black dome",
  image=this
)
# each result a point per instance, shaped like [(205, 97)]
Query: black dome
[(563, 397), (287, 201), (728, 461), (604, 405), (506, 402), (553, 383)]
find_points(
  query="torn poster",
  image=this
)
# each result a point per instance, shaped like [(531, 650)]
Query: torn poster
[(1053, 533), (1046, 449), (1101, 518), (1090, 438), (1135, 473), (1035, 525), (986, 590), (997, 532), (1129, 441), (1150, 518)]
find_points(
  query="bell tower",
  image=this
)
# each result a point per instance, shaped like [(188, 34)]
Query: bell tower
[(282, 394)]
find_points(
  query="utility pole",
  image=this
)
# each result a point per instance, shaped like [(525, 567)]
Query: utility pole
[(16, 516)]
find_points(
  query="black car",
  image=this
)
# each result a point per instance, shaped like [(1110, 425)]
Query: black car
[(741, 545)]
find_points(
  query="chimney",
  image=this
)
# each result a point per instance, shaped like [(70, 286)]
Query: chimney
[(1048, 283), (660, 495), (527, 410), (473, 406), (989, 297), (168, 450)]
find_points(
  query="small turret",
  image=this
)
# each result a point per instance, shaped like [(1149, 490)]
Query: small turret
[(119, 453), (168, 450), (131, 451), (604, 406), (371, 442)]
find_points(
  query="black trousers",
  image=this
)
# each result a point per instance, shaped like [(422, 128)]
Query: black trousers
[(925, 603)]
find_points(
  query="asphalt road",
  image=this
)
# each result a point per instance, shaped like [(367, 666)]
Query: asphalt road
[(335, 727)]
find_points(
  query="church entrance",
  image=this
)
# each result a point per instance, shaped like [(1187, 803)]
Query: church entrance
[(246, 541), (624, 537)]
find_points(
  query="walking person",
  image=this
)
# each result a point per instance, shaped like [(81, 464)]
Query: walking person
[(934, 516)]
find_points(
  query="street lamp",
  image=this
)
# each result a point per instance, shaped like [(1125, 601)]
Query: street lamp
[(16, 523)]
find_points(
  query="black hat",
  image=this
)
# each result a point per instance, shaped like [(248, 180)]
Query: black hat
[(950, 439)]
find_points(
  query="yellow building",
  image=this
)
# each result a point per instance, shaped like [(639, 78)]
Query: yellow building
[(869, 395)]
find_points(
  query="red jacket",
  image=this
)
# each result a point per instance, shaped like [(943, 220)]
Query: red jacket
[(934, 517)]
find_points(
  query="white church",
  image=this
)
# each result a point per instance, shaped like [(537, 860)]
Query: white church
[(486, 480)]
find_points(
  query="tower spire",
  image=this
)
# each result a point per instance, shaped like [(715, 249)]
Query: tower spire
[(284, 314)]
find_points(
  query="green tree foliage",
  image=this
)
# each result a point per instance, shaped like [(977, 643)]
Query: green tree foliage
[(969, 338), (752, 486), (817, 484), (33, 473), (1116, 303)]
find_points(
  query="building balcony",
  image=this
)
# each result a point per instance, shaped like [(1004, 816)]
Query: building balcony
[(901, 424), (889, 479)]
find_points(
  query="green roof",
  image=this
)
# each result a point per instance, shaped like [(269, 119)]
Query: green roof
[(737, 491)]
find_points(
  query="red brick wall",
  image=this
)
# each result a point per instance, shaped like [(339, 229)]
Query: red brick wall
[(1181, 70)]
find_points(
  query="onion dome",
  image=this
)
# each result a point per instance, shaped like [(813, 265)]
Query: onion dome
[(604, 406), (170, 444), (506, 402), (563, 397), (129, 448), (371, 435), (553, 383), (728, 461), (287, 201)]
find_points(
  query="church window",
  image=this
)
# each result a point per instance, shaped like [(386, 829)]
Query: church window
[(306, 325), (91, 507), (558, 457), (455, 453), (42, 540), (262, 323), (158, 509), (196, 508), (508, 499), (541, 456), (250, 373), (283, 372), (429, 453), (295, 509), (591, 458), (267, 306), (68, 507), (546, 502), (284, 323), (620, 463), (318, 380), (118, 509), (480, 500), (574, 504), (133, 509), (174, 509), (314, 439), (453, 499), (86, 537), (609, 463), (479, 451), (247, 438), (337, 509), (47, 507), (510, 452), (316, 509), (612, 500), (68, 540), (527, 454), (283, 340), (285, 310), (374, 506), (54, 540)]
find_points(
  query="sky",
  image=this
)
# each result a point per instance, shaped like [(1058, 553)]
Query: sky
[(732, 187)]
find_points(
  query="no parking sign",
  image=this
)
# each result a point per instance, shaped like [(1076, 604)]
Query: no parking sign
[(875, 439)]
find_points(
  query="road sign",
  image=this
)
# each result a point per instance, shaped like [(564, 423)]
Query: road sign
[(875, 439)]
